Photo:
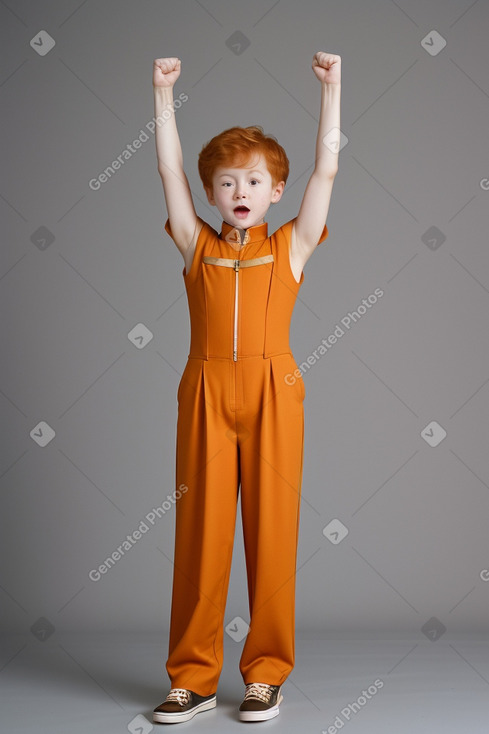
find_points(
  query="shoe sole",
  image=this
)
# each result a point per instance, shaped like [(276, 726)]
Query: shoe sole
[(162, 717), (261, 715)]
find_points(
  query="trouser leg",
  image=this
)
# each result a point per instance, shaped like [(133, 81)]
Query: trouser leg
[(271, 473), (206, 463)]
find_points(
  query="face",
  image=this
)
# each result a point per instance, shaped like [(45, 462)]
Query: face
[(243, 195)]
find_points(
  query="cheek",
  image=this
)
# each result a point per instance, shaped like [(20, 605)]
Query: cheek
[(218, 195)]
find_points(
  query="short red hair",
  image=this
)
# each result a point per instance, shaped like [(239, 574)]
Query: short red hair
[(238, 145)]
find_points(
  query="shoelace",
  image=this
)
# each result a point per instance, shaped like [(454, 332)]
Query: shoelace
[(180, 695), (263, 691)]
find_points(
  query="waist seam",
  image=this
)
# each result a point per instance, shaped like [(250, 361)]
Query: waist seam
[(240, 356)]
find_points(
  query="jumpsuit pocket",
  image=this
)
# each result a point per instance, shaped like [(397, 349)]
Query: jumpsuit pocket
[(293, 380), (190, 381), (183, 380), (302, 387), (298, 381)]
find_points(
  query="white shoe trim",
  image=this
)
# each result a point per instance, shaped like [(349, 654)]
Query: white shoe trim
[(261, 715), (165, 717)]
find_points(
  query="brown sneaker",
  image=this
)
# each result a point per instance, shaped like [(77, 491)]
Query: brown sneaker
[(260, 702), (181, 705)]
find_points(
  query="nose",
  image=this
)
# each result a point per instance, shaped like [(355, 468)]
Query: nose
[(238, 194)]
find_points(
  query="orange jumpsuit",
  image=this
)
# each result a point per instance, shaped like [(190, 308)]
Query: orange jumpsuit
[(240, 425)]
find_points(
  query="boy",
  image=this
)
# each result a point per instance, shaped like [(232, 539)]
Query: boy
[(240, 403)]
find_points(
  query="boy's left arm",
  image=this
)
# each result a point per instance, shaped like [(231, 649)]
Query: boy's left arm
[(313, 212)]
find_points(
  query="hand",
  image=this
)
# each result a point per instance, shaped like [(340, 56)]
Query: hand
[(166, 72), (327, 67)]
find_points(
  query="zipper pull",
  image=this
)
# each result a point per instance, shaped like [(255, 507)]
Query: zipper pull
[(236, 265)]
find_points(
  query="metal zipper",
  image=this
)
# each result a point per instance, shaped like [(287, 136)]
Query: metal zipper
[(236, 301), (237, 265)]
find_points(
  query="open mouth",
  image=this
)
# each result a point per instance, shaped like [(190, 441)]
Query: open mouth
[(241, 211)]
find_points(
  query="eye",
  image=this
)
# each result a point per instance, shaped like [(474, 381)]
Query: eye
[(227, 183), (253, 180)]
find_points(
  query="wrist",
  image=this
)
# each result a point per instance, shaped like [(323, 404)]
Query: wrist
[(163, 91)]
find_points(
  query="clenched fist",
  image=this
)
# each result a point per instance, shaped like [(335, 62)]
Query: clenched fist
[(166, 72), (327, 67)]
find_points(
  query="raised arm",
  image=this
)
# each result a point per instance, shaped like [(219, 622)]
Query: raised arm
[(184, 222), (315, 203)]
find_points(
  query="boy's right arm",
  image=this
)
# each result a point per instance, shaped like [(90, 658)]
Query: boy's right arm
[(184, 222)]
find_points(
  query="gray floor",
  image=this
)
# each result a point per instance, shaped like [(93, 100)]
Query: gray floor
[(110, 683)]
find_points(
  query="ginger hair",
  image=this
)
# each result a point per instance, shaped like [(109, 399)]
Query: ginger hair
[(237, 146)]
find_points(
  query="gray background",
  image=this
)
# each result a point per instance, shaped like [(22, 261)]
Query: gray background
[(416, 158)]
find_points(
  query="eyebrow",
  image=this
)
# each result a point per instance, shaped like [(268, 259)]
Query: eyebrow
[(230, 174)]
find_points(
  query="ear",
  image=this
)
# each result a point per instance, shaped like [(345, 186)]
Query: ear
[(277, 192), (210, 196)]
